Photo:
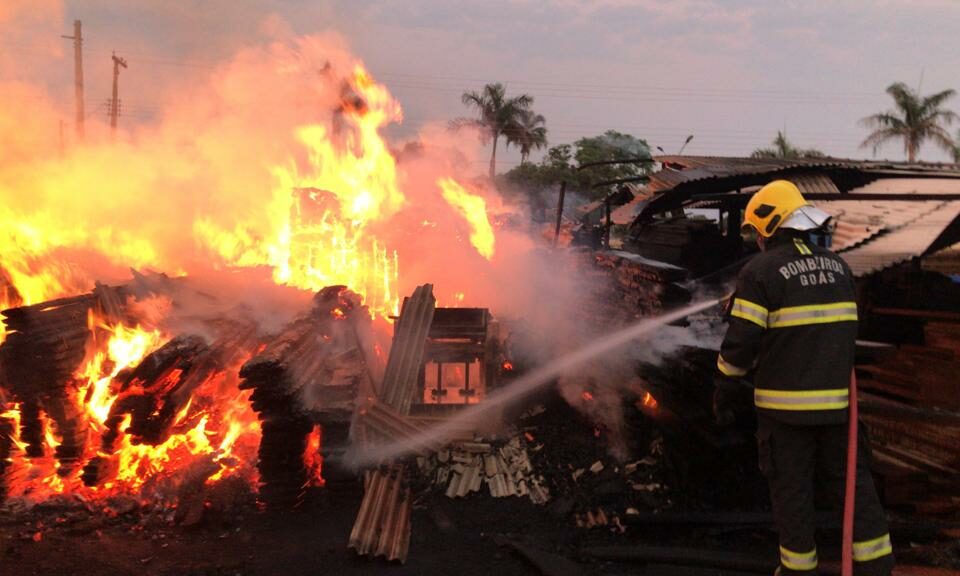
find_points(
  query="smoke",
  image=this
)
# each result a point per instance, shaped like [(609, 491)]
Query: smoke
[(536, 379), (270, 161)]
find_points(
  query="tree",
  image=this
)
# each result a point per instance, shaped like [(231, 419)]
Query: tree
[(610, 146), (528, 134), (562, 163), (956, 149), (499, 115), (783, 148), (914, 120)]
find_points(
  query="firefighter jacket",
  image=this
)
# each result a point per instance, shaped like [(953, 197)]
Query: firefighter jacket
[(793, 320)]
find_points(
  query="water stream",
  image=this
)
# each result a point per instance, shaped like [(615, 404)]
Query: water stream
[(516, 391)]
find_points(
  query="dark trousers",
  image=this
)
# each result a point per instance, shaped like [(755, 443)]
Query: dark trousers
[(795, 458)]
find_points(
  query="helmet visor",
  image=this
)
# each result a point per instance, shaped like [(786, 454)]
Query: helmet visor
[(806, 218)]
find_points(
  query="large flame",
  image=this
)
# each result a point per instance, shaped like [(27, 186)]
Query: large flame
[(215, 424), (474, 209), (277, 161), (320, 215)]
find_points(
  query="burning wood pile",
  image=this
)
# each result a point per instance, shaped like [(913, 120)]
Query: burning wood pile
[(101, 405), (306, 383)]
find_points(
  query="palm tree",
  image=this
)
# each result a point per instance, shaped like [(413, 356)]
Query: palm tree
[(528, 134), (914, 119), (956, 149), (498, 114), (783, 148)]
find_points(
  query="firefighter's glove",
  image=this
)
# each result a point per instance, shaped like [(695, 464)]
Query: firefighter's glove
[(724, 391)]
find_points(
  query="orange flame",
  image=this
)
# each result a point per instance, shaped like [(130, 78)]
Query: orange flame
[(474, 209), (311, 213), (649, 401), (319, 217), (222, 428)]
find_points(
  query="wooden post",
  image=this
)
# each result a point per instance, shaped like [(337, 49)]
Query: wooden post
[(115, 102), (563, 192), (78, 75), (606, 232)]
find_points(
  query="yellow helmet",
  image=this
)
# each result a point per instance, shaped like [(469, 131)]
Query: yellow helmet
[(771, 206)]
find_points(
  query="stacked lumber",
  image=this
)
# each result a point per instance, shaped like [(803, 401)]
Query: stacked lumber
[(645, 286), (155, 392), (910, 401), (44, 345), (694, 243), (311, 372), (922, 374)]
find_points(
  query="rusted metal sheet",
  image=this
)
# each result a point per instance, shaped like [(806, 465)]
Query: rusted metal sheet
[(904, 243), (382, 527)]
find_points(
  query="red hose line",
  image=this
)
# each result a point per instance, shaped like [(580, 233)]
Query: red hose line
[(849, 500)]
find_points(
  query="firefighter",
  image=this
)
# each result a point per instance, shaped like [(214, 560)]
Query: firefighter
[(793, 325)]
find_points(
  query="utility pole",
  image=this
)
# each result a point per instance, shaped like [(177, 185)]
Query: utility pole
[(115, 103), (78, 74)]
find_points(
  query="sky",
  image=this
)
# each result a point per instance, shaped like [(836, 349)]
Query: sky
[(730, 72)]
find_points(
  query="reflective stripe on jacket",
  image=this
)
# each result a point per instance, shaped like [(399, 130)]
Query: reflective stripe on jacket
[(794, 321)]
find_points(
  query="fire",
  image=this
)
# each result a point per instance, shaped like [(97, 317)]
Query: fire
[(474, 209), (649, 401), (215, 429), (306, 190), (313, 459), (320, 215)]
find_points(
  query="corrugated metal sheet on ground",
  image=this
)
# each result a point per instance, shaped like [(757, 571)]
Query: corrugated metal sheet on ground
[(382, 527), (859, 220), (904, 243)]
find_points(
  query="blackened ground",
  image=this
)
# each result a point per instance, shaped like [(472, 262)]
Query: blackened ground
[(464, 537)]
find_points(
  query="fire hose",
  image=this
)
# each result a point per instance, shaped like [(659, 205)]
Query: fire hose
[(850, 493)]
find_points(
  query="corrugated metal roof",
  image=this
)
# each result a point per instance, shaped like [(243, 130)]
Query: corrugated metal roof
[(858, 221), (911, 186), (697, 168), (904, 243), (679, 170), (625, 214), (814, 183)]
